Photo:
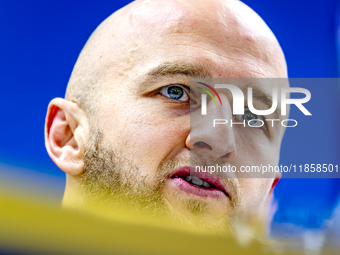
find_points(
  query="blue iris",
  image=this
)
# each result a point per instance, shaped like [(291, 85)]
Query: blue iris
[(175, 92)]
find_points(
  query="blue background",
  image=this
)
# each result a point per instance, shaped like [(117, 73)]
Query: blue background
[(41, 40)]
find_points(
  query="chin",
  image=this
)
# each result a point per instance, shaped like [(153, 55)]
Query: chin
[(200, 214)]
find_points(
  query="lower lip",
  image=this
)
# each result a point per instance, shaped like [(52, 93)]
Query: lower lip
[(201, 192)]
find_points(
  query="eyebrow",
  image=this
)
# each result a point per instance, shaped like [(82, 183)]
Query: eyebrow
[(169, 69)]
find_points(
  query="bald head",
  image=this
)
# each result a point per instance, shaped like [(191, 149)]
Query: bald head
[(146, 33)]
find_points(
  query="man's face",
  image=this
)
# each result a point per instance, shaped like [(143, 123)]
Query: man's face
[(144, 115)]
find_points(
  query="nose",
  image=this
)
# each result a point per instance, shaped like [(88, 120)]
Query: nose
[(214, 142)]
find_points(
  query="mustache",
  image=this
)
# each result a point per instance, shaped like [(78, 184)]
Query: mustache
[(229, 180), (168, 166)]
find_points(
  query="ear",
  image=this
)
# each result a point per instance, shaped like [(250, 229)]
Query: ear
[(66, 129)]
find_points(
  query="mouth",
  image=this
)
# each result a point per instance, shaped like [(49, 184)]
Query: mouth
[(199, 184)]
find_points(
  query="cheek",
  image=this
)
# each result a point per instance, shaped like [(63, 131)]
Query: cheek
[(145, 134), (158, 140), (255, 149)]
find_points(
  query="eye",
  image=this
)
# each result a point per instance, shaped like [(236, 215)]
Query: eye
[(175, 92), (251, 119)]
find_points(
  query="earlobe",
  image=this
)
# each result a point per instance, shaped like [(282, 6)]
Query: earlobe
[(65, 131)]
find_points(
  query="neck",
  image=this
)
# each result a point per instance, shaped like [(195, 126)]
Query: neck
[(72, 198)]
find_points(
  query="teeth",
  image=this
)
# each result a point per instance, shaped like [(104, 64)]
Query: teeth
[(196, 180), (206, 184)]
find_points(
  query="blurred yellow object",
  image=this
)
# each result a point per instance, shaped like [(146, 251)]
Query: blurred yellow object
[(37, 228)]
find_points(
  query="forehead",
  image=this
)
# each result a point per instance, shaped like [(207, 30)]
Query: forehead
[(219, 20), (231, 39)]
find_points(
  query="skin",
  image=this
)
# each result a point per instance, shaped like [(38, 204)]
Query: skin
[(224, 38)]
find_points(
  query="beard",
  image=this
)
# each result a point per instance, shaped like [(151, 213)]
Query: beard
[(112, 181)]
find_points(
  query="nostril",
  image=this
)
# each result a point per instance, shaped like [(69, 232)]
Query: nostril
[(229, 156), (226, 155), (203, 145)]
